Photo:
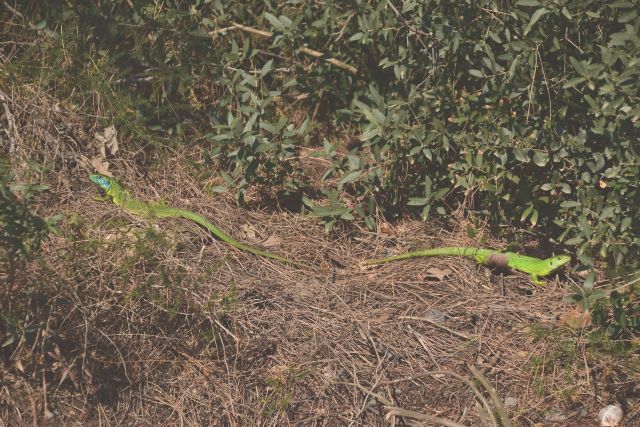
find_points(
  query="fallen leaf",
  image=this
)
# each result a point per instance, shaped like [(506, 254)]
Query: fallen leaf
[(575, 318), (555, 415), (249, 231), (95, 164), (271, 241), (107, 140), (438, 274), (329, 372), (434, 315), (365, 267), (100, 166), (340, 262), (381, 319), (610, 416), (510, 402), (384, 228)]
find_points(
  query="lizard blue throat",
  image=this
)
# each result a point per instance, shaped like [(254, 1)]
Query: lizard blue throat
[(102, 181)]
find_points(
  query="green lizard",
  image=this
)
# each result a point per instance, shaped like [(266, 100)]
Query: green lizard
[(491, 258), (120, 197)]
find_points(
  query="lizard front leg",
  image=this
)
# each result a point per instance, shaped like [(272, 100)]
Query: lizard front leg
[(535, 279)]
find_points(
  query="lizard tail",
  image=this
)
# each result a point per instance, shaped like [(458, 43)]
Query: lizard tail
[(478, 254), (165, 212)]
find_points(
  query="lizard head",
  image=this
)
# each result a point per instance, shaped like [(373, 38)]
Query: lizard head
[(108, 184), (555, 262)]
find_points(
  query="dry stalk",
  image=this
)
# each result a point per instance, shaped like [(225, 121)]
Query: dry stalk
[(307, 51)]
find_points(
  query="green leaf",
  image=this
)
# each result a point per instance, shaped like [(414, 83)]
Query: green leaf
[(268, 66), (527, 3), (536, 16), (329, 225), (619, 39), (425, 212), (228, 178), (540, 158), (9, 341), (379, 118), (476, 73), (347, 216), (574, 241), (607, 212), (352, 176), (417, 201), (369, 133), (370, 222), (621, 4), (587, 285), (275, 22), (534, 218), (573, 82), (219, 189), (321, 211), (440, 193), (40, 25), (627, 17), (569, 204), (285, 21), (579, 66), (521, 154)]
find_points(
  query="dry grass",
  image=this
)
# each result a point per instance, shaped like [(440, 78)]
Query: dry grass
[(148, 323)]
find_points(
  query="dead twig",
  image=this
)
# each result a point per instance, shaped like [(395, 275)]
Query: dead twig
[(476, 392), (307, 51), (12, 132), (501, 411), (546, 82), (393, 410), (424, 346), (438, 325)]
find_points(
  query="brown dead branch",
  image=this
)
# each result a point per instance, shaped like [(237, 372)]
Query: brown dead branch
[(307, 51)]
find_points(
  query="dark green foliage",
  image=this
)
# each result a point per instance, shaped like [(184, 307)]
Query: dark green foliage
[(529, 113), (331, 214), (619, 313), (21, 231)]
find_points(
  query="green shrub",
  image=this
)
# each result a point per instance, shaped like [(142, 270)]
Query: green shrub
[(21, 231), (527, 112)]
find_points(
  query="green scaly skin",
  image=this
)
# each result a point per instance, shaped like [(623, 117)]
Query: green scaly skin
[(120, 197), (533, 266)]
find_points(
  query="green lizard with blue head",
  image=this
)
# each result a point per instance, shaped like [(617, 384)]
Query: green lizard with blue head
[(121, 197), (535, 267)]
